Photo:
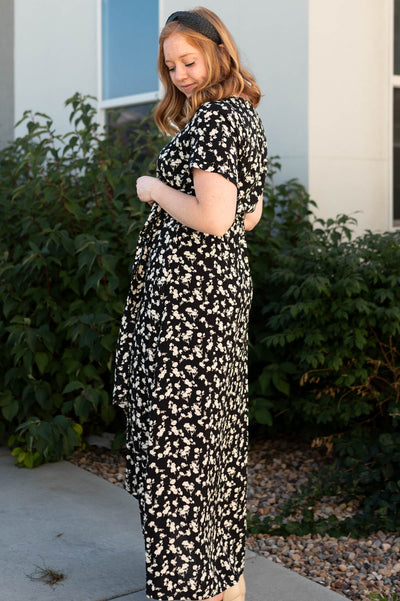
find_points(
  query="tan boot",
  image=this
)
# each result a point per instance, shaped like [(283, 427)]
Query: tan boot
[(236, 592)]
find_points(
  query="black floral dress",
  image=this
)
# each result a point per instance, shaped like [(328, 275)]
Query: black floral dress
[(181, 365)]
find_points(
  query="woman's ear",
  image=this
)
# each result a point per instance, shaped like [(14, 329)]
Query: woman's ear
[(223, 50)]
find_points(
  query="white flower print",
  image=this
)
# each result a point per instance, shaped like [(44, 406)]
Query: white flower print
[(181, 365)]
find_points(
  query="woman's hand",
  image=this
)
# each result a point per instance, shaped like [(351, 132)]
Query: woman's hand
[(144, 188), (251, 219)]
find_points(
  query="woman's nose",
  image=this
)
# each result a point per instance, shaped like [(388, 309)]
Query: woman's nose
[(180, 72)]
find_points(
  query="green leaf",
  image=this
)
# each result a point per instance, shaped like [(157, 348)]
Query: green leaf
[(6, 398), (107, 414), (262, 413), (108, 263), (41, 395), (281, 384), (10, 411), (29, 460), (66, 407), (42, 361), (20, 457), (74, 385), (93, 281), (43, 430), (263, 416), (82, 408), (78, 430)]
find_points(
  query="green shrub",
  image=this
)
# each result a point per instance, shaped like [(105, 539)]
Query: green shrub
[(324, 356), (69, 223), (326, 316), (285, 219)]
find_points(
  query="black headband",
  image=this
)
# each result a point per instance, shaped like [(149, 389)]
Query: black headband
[(197, 23)]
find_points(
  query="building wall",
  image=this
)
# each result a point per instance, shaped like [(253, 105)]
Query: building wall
[(55, 55), (273, 42), (6, 71), (322, 66), (349, 125)]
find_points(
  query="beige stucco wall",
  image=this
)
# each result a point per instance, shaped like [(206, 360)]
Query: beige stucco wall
[(349, 109), (55, 55), (6, 72)]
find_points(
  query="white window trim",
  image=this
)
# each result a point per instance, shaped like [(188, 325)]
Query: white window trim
[(100, 113), (131, 100), (394, 83)]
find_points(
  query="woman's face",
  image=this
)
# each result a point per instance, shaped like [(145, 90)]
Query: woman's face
[(187, 66)]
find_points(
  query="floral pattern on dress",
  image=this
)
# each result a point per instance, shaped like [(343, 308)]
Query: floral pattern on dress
[(181, 365)]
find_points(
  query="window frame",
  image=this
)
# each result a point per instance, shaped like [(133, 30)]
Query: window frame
[(122, 101), (394, 83)]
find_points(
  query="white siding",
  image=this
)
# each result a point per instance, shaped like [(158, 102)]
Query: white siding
[(349, 125), (55, 55), (323, 66)]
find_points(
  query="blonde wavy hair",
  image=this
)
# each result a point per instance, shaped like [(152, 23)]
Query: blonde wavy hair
[(226, 76)]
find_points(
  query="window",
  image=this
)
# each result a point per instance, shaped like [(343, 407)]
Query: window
[(120, 118), (396, 115), (129, 44)]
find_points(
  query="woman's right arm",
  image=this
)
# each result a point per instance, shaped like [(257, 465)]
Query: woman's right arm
[(251, 219), (212, 210)]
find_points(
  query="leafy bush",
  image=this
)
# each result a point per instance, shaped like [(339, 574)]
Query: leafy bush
[(69, 223), (324, 357), (285, 220), (326, 317)]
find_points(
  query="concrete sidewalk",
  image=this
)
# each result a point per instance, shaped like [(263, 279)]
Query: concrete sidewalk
[(63, 518)]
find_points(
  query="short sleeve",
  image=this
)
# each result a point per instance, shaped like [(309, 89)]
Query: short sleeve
[(213, 144)]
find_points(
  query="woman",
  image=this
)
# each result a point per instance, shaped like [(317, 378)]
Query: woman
[(181, 363)]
